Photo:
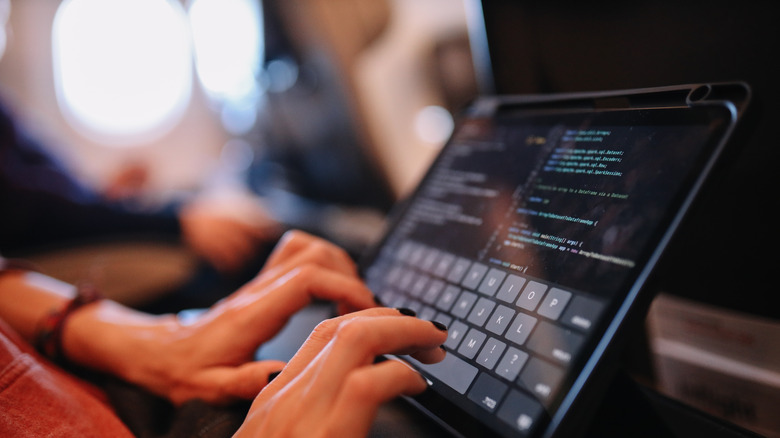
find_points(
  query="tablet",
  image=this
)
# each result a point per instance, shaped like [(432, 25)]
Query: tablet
[(531, 237)]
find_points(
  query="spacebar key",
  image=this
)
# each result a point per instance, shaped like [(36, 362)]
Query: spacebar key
[(453, 371)]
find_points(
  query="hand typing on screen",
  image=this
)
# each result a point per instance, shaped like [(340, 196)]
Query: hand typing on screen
[(333, 386), (211, 358)]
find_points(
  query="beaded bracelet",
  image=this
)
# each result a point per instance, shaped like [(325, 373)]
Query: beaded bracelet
[(48, 340)]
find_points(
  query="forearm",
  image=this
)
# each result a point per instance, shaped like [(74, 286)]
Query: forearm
[(104, 335), (38, 219), (42, 203), (27, 297)]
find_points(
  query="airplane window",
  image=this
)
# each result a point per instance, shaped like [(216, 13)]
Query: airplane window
[(228, 43), (227, 36), (122, 68)]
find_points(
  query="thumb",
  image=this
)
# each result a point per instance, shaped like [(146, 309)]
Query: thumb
[(247, 380), (225, 384)]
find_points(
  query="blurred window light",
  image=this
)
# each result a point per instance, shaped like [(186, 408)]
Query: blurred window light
[(228, 41), (122, 68), (5, 11), (434, 125)]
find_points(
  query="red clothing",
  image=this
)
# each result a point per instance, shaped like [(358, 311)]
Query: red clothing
[(38, 399)]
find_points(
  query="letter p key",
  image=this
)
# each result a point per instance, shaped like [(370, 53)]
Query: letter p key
[(554, 303)]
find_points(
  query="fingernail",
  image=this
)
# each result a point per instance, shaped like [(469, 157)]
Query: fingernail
[(273, 375), (439, 326), (378, 301), (407, 312)]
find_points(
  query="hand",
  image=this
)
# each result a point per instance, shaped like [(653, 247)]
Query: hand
[(333, 387), (212, 358), (227, 230)]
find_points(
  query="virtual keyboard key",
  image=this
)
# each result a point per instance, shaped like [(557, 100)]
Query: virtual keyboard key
[(394, 275), (471, 343), (416, 254), (490, 353), (582, 313), (444, 265), (443, 318), (427, 313), (434, 289), (511, 287), (491, 282), (447, 298), (455, 334), (500, 320), (511, 364), (479, 314), (487, 392), (406, 279), (520, 329), (452, 371), (474, 276), (554, 303), (464, 304), (531, 295), (542, 379), (521, 412), (429, 260), (459, 270), (404, 251), (418, 285), (557, 343)]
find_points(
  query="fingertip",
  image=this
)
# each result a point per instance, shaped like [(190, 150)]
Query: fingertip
[(439, 325), (432, 355), (405, 311), (423, 384)]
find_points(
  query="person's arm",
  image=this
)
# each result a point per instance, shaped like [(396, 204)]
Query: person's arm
[(27, 297), (210, 358), (43, 204)]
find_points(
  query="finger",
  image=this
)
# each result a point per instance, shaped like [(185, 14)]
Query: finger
[(301, 285), (296, 249), (365, 390), (307, 381), (290, 243), (432, 355), (314, 344), (299, 248), (321, 335), (222, 385), (258, 311), (359, 340), (247, 380)]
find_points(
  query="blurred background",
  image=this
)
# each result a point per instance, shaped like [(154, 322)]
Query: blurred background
[(322, 113), (306, 103)]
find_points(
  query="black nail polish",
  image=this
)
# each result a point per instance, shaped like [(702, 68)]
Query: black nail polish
[(378, 301), (439, 326), (407, 312), (273, 375)]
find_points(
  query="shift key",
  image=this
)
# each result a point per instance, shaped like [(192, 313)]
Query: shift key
[(453, 371)]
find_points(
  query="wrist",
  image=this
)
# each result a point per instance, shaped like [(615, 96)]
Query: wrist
[(107, 337), (49, 333)]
